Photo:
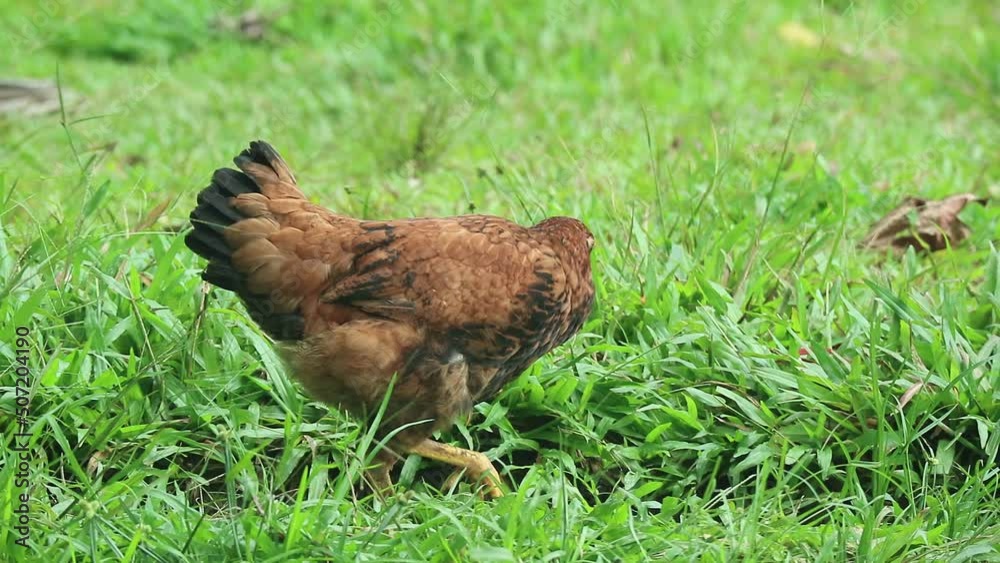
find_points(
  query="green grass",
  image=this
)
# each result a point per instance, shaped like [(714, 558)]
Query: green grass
[(736, 395)]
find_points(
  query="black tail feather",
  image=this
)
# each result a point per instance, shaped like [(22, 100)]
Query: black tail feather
[(263, 153), (210, 218), (211, 247), (223, 275), (215, 212), (214, 207), (233, 182)]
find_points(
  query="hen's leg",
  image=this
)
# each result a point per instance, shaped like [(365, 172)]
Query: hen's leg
[(476, 465), (378, 474)]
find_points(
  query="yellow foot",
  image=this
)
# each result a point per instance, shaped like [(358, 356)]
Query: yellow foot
[(475, 465)]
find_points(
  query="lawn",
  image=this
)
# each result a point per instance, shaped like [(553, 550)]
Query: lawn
[(751, 385)]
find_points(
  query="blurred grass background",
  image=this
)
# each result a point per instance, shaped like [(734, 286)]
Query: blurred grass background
[(750, 387)]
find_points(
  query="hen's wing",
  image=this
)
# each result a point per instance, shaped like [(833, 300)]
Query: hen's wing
[(494, 289)]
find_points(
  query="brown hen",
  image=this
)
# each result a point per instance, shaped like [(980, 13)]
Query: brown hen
[(452, 307)]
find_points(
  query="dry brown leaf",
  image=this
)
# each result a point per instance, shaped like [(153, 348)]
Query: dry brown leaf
[(152, 216), (886, 55), (805, 147), (937, 226), (910, 393), (95, 463), (28, 97), (63, 277), (252, 24)]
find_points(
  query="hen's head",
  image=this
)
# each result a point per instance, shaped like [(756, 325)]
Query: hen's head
[(569, 233), (572, 241)]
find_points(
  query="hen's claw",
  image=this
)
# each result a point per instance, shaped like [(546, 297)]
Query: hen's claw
[(476, 466)]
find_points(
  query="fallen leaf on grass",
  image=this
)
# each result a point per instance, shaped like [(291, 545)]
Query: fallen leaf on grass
[(863, 49), (910, 393), (28, 97), (937, 225), (252, 24), (805, 147), (95, 463), (151, 217), (799, 35)]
